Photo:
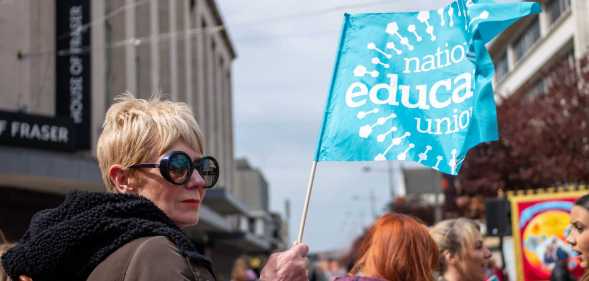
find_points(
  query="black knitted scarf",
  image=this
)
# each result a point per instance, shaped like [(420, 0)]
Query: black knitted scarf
[(68, 242)]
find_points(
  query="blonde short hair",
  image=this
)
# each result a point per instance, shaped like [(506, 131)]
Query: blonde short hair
[(4, 247), (454, 236), (137, 130)]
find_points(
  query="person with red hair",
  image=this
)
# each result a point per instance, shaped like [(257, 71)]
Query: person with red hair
[(396, 248)]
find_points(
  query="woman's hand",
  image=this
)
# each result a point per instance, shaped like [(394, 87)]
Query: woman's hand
[(290, 265)]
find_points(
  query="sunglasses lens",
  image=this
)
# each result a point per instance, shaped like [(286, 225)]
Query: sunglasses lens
[(179, 168), (208, 169)]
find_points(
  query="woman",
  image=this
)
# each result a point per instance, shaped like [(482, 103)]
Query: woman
[(578, 236), (396, 248), (463, 256), (150, 154)]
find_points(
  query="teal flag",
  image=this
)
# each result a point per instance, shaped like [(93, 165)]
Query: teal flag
[(415, 86)]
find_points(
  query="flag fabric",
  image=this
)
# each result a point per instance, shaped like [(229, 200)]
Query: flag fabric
[(415, 85)]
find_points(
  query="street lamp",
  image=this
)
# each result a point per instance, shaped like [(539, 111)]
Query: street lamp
[(389, 172)]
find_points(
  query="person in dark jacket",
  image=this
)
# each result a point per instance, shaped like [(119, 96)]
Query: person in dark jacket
[(151, 156), (560, 272)]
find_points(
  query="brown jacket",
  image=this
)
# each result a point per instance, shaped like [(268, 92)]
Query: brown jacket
[(150, 258)]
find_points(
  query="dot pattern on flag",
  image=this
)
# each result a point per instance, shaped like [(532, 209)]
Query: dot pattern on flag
[(402, 41)]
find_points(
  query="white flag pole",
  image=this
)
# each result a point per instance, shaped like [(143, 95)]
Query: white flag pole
[(307, 199)]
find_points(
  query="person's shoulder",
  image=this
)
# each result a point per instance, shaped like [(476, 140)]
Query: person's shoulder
[(160, 254), (155, 245), (157, 258), (166, 253), (146, 258), (136, 250)]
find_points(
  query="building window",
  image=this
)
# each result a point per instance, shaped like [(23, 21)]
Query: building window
[(570, 57), (528, 37), (550, 73), (259, 227), (556, 8), (537, 88), (501, 67), (243, 224), (251, 225)]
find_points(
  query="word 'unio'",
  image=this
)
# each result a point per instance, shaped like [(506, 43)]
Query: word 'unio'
[(445, 125)]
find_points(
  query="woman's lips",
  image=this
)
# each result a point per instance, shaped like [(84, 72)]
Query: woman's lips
[(192, 202)]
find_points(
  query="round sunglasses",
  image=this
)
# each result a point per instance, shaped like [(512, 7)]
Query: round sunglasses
[(177, 167)]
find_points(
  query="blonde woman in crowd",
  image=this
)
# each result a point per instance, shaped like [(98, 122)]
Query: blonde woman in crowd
[(463, 256), (151, 154)]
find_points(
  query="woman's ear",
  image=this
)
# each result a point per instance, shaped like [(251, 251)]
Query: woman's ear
[(451, 259), (119, 176)]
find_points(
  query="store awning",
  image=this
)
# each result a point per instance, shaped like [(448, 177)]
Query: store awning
[(48, 171)]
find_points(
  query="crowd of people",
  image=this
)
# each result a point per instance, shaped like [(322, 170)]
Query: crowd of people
[(148, 152), (242, 271), (325, 268)]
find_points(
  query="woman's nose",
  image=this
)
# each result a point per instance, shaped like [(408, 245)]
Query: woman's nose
[(487, 253), (196, 181), (570, 238)]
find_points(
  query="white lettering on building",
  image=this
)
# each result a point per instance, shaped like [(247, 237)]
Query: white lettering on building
[(76, 69), (38, 132)]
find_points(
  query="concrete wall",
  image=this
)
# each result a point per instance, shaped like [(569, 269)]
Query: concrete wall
[(27, 73)]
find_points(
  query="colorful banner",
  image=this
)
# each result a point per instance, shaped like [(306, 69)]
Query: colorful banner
[(539, 223), (415, 85)]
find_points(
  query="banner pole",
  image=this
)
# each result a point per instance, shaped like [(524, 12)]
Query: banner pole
[(307, 199)]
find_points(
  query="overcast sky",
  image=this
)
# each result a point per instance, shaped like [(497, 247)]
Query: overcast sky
[(286, 50)]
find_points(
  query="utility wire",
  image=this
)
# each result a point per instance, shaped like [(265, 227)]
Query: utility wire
[(110, 15), (313, 13), (194, 31), (131, 41)]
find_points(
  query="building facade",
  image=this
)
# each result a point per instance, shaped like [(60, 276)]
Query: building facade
[(252, 189), (534, 44), (251, 186), (63, 63)]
